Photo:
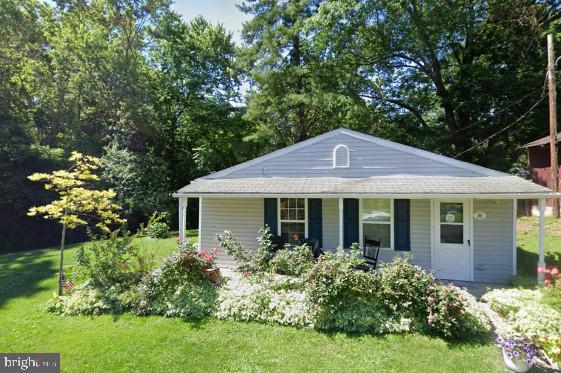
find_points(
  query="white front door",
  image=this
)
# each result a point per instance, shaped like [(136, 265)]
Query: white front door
[(452, 239)]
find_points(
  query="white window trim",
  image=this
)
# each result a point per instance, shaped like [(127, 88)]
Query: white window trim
[(348, 152), (391, 223), (279, 222)]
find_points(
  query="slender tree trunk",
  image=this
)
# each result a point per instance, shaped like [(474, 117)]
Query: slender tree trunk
[(60, 274)]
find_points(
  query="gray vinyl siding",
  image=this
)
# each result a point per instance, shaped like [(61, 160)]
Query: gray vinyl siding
[(242, 216), (492, 250), (330, 223), (420, 236), (367, 159)]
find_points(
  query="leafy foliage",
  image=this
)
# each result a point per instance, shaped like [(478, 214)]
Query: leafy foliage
[(185, 285), (77, 201), (265, 248), (292, 261), (158, 225), (111, 260), (234, 249)]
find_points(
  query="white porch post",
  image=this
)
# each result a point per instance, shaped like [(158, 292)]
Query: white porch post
[(541, 260), (341, 219), (182, 218), (200, 221)]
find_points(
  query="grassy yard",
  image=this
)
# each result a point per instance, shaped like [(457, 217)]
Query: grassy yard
[(152, 344), (527, 237)]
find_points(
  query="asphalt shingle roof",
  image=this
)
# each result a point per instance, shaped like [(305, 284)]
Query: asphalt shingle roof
[(382, 185)]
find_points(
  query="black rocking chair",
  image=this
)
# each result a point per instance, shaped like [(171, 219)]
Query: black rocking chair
[(371, 249)]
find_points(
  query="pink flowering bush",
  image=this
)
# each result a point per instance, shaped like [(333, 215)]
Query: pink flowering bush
[(552, 288), (184, 285), (400, 297)]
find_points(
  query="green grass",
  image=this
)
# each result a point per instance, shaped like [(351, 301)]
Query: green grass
[(130, 343), (527, 243)]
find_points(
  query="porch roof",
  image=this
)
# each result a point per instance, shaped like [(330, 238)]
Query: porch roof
[(399, 186)]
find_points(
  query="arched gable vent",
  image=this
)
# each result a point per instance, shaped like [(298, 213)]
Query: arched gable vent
[(341, 156)]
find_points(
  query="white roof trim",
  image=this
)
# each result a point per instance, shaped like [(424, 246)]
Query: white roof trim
[(272, 155), (373, 139), (424, 154), (366, 195)]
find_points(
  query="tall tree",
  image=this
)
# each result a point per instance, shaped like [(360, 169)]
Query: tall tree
[(453, 73), (200, 125), (296, 90)]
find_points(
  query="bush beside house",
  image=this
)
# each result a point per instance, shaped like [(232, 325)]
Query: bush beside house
[(531, 319), (286, 287)]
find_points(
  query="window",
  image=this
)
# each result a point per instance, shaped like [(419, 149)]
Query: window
[(377, 220), (292, 218), (341, 156), (451, 222)]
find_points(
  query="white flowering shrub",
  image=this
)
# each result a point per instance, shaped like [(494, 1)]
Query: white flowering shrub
[(525, 312), (537, 320), (508, 301), (90, 300), (274, 299)]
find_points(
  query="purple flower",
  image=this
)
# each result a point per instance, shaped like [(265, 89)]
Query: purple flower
[(515, 353)]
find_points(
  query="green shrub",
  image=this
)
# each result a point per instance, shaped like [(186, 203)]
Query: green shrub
[(110, 260), (342, 298), (265, 249), (158, 226), (450, 316), (89, 300), (233, 248), (292, 261), (184, 285), (406, 288)]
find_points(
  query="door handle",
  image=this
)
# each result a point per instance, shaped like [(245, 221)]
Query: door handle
[(469, 243)]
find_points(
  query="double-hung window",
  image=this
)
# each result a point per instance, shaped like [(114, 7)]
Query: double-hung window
[(292, 218), (377, 220)]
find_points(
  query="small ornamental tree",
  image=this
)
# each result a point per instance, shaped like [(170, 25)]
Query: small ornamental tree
[(77, 204)]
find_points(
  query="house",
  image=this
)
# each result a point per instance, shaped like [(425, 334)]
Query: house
[(455, 218), (539, 168)]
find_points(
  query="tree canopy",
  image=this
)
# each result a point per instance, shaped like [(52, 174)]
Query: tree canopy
[(162, 101)]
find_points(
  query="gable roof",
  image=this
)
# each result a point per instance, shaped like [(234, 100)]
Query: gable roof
[(542, 141), (368, 138)]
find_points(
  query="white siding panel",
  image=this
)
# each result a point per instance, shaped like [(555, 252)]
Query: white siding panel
[(242, 216), (492, 251), (367, 159), (330, 223)]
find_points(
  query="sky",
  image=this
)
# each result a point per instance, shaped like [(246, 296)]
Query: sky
[(216, 11)]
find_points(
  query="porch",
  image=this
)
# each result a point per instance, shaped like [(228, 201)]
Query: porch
[(477, 244)]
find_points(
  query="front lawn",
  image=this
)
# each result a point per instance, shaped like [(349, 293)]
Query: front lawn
[(132, 343), (527, 242)]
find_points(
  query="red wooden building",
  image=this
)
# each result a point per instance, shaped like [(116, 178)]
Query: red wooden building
[(539, 167)]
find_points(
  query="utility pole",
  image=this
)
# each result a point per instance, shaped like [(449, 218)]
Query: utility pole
[(552, 122)]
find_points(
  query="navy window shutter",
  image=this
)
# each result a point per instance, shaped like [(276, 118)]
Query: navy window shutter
[(271, 215), (314, 220), (350, 221), (402, 224)]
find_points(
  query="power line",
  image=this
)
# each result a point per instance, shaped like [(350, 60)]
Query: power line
[(503, 129), (513, 123)]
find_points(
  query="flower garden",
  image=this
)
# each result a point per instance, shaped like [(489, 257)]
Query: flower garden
[(331, 294), (285, 287)]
